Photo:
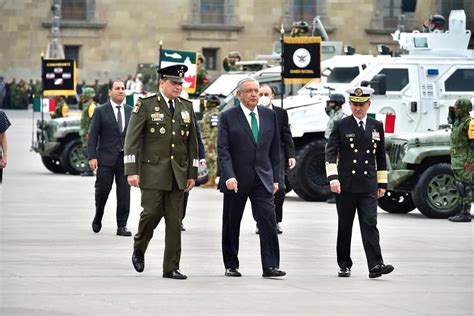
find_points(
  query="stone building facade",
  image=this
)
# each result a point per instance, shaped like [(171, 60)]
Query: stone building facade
[(110, 37)]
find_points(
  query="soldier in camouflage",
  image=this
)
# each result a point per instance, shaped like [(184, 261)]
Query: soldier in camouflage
[(229, 61), (62, 109), (300, 29), (89, 105), (334, 111), (462, 155), (209, 123)]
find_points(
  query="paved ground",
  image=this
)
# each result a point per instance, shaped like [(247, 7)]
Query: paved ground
[(51, 263)]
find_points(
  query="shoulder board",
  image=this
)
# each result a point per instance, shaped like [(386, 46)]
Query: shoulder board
[(470, 129), (149, 95), (180, 99)]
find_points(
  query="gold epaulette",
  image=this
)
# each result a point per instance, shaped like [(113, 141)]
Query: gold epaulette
[(382, 176)]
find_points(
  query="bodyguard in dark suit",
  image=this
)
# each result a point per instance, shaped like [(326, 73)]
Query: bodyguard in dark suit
[(105, 153), (248, 150), (287, 148), (357, 171)]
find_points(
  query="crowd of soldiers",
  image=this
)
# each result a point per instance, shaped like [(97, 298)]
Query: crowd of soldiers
[(18, 94)]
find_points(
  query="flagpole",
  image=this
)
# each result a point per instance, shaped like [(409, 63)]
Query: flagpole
[(159, 55), (41, 104), (282, 33)]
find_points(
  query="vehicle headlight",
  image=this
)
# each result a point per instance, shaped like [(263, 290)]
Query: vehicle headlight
[(403, 150)]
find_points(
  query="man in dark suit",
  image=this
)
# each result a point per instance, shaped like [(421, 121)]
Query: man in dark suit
[(287, 149), (356, 168), (105, 153), (248, 150)]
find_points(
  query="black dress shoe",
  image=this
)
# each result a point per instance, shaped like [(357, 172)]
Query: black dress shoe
[(175, 274), (232, 272), (273, 272), (380, 269), (96, 227), (344, 273), (123, 231), (182, 228), (138, 261)]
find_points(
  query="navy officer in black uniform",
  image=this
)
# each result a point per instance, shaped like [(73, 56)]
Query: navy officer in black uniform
[(357, 171)]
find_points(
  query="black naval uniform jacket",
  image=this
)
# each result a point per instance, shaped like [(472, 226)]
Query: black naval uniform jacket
[(357, 160), (159, 146)]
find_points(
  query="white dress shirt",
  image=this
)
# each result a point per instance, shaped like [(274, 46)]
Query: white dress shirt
[(122, 112), (248, 117), (364, 121)]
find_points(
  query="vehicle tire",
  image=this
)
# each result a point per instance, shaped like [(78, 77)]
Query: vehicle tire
[(52, 164), (73, 158), (308, 178), (396, 202), (435, 193)]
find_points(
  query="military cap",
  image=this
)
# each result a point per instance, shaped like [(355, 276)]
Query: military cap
[(88, 92), (464, 104), (360, 94), (213, 101), (174, 72)]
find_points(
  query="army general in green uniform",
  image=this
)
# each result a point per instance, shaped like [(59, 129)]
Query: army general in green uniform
[(161, 159)]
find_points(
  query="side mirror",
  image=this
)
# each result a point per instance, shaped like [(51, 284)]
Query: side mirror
[(379, 84)]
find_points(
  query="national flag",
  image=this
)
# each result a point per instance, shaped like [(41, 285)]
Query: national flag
[(169, 57), (388, 120)]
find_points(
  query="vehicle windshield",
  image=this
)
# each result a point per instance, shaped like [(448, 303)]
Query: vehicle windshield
[(225, 84), (334, 75)]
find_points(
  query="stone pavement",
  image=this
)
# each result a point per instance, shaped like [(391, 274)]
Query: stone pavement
[(51, 263)]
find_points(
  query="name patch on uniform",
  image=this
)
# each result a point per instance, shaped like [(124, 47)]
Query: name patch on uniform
[(157, 117), (186, 117), (350, 135), (214, 120), (375, 135)]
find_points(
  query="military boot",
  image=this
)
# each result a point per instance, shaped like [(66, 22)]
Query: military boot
[(461, 218), (211, 183)]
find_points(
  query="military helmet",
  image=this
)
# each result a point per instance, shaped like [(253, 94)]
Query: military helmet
[(464, 104), (235, 54), (301, 25), (439, 22), (336, 99), (200, 56), (213, 101), (88, 92)]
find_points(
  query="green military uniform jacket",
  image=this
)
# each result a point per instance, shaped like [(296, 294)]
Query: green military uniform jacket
[(158, 146)]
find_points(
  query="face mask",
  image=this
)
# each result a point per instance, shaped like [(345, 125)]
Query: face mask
[(265, 101), (459, 114)]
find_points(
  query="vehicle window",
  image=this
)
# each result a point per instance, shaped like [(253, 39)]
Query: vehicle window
[(460, 80), (397, 78), (342, 74)]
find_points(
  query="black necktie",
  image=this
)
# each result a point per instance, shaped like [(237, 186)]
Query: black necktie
[(170, 102), (119, 119), (361, 125)]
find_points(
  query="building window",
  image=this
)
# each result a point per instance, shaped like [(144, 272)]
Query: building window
[(391, 10), (210, 58), (72, 52), (74, 10), (304, 10), (212, 12)]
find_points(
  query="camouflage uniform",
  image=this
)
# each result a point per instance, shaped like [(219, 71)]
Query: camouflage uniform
[(229, 62), (202, 78), (209, 123), (62, 109), (334, 116), (299, 29), (86, 117), (462, 156)]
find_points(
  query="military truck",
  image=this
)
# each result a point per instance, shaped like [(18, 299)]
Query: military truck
[(420, 174), (412, 91), (58, 143)]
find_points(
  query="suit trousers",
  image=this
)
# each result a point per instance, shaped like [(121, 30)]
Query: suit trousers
[(156, 205), (263, 211), (366, 206), (103, 185), (279, 199)]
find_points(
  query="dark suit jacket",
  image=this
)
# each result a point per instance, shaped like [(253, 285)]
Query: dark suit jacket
[(240, 157), (286, 139), (361, 156), (105, 140)]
